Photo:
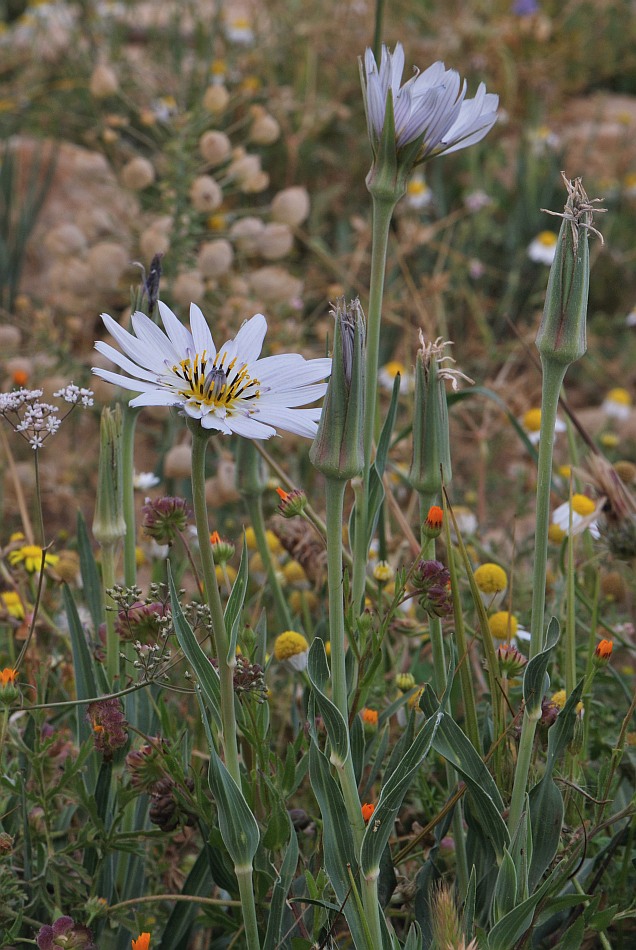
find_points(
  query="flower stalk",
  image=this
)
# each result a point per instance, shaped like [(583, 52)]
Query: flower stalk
[(561, 340)]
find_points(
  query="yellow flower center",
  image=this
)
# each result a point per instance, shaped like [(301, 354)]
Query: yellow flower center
[(582, 505), (503, 625), (620, 396), (559, 698), (556, 533), (213, 384), (532, 420), (491, 579), (417, 186), (547, 238), (393, 367), (289, 644)]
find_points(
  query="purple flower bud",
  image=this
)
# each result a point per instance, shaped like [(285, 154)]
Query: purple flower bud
[(65, 934)]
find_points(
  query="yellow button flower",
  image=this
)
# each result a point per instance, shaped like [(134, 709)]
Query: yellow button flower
[(292, 648), (491, 579)]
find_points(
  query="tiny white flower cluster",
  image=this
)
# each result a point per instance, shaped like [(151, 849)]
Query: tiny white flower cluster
[(75, 394), (34, 420)]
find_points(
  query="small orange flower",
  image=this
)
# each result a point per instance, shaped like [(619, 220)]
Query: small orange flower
[(142, 942), (603, 651), (367, 811), (432, 527), (369, 716), (435, 517), (8, 676), (282, 494), (215, 538), (20, 377)]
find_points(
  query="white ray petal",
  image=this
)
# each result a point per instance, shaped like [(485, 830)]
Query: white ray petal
[(201, 333), (154, 339), (131, 345), (178, 333), (125, 382), (120, 360), (250, 427), (249, 340)]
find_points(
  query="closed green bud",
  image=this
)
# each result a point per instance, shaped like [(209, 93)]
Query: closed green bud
[(251, 479), (562, 333), (431, 462), (109, 525), (337, 451)]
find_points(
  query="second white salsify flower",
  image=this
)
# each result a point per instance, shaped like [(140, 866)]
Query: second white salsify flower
[(431, 104), (230, 389)]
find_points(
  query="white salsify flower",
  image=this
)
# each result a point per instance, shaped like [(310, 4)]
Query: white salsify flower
[(431, 104), (229, 389)]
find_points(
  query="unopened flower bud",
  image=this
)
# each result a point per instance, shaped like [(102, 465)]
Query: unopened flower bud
[(215, 99), (431, 462), (215, 147), (165, 518), (109, 726), (603, 652), (432, 527), (223, 550), (205, 194), (292, 503), (337, 450), (9, 689), (109, 525), (138, 173), (511, 661), (405, 681), (562, 334)]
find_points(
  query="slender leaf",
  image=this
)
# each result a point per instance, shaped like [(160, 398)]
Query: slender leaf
[(235, 603), (206, 675), (91, 580), (393, 791), (338, 846), (274, 936), (237, 824), (536, 681), (336, 728), (545, 799)]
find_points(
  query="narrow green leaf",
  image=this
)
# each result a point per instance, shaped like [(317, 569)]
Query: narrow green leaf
[(235, 603), (468, 914), (536, 681), (205, 673), (274, 936), (337, 838), (456, 747), (376, 487), (573, 936), (545, 799), (335, 726), (509, 929), (179, 923), (91, 580), (505, 896), (381, 824), (237, 824)]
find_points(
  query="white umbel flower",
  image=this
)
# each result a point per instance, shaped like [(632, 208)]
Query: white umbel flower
[(432, 103), (229, 389)]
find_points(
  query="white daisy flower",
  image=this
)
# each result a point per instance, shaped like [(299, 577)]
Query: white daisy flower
[(418, 194), (432, 103), (229, 389), (542, 250), (584, 514), (618, 404), (531, 423)]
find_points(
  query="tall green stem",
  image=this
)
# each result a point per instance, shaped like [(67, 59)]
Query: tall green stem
[(254, 505), (246, 891), (213, 598), (128, 472), (382, 213), (335, 496), (109, 553), (553, 374)]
